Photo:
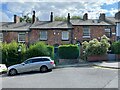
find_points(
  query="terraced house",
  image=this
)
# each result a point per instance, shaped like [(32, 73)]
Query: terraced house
[(60, 32)]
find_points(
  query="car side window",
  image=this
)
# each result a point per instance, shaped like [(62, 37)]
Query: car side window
[(27, 62), (46, 59), (36, 60)]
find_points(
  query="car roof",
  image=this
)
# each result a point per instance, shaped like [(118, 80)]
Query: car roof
[(39, 57)]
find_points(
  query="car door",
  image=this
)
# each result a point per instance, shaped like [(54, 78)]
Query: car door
[(26, 67), (36, 64)]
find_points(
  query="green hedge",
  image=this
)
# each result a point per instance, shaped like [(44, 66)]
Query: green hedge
[(37, 49), (116, 47), (10, 53), (51, 51), (68, 51)]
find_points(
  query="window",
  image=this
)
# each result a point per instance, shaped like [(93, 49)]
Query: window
[(108, 32), (1, 37), (118, 29), (28, 61), (43, 35), (46, 59), (86, 32), (36, 60), (65, 35), (21, 37)]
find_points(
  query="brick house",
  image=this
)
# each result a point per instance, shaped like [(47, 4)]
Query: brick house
[(57, 32), (116, 20)]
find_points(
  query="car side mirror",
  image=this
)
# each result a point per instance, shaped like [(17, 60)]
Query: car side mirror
[(23, 63)]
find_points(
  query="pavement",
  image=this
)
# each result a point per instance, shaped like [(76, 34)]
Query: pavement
[(107, 64), (114, 65)]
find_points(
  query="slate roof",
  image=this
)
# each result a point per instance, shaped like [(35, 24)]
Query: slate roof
[(23, 26), (51, 25), (112, 19), (92, 22), (11, 26)]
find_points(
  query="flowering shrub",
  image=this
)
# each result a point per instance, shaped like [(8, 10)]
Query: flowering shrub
[(95, 47)]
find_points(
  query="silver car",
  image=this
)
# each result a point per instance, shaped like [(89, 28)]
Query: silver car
[(32, 64)]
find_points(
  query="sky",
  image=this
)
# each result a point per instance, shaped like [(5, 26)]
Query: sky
[(59, 7)]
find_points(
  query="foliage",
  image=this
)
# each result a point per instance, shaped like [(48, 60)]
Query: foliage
[(26, 19), (68, 51), (95, 47), (62, 18), (75, 17), (116, 47), (37, 49), (10, 53), (57, 18), (51, 51)]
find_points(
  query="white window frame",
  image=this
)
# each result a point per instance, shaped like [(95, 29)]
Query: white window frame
[(1, 38), (86, 28), (43, 38), (118, 29), (108, 30), (65, 33), (19, 36)]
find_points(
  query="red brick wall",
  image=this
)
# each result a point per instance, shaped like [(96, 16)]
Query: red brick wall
[(95, 32), (10, 36), (54, 37)]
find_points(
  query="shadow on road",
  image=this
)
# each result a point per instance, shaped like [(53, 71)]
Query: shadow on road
[(26, 73)]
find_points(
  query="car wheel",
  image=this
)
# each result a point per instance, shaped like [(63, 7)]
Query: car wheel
[(43, 69), (12, 72)]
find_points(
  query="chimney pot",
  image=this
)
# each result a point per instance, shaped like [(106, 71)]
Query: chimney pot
[(102, 17), (51, 17), (85, 16), (68, 18), (33, 17), (117, 15), (16, 19)]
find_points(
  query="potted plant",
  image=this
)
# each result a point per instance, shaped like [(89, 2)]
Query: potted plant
[(96, 50), (116, 49)]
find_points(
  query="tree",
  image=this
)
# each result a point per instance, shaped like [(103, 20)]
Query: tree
[(26, 19), (75, 17), (57, 18)]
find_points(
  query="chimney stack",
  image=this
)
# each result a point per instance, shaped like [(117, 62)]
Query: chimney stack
[(16, 19), (51, 17), (117, 15), (102, 17), (85, 16), (68, 18), (33, 17)]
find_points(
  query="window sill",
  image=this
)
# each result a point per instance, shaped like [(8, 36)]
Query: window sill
[(86, 36), (65, 40), (43, 40), (21, 41)]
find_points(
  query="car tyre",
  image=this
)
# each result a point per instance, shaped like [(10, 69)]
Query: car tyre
[(43, 69), (12, 72)]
